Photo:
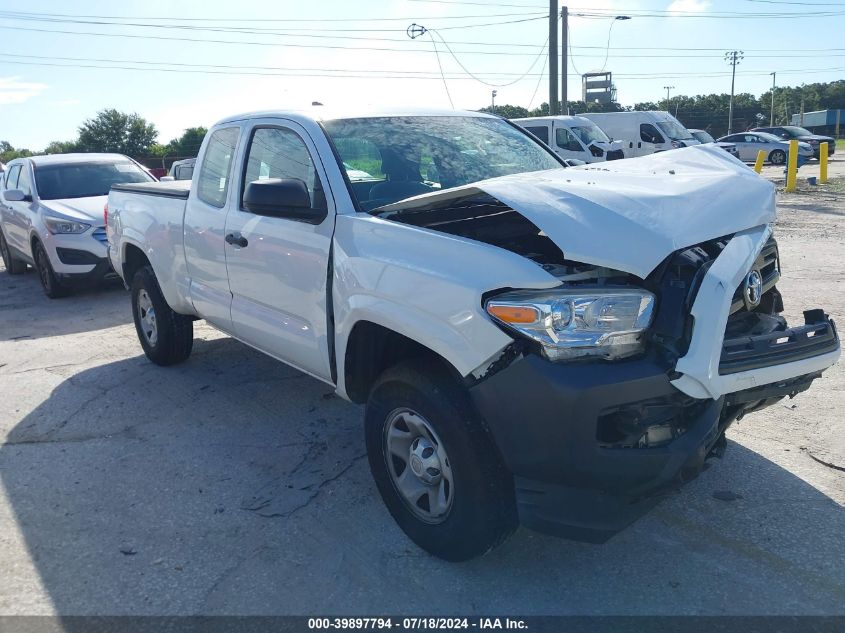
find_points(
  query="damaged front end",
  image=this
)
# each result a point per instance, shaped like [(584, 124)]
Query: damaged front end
[(664, 329)]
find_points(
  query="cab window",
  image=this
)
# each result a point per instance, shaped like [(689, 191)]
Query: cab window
[(24, 182), (215, 172), (281, 153), (566, 140), (12, 177), (649, 133)]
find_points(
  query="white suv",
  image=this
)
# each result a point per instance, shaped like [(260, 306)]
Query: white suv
[(51, 215)]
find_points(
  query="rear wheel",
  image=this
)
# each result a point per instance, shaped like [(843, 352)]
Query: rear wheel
[(13, 265), (777, 157), (435, 464), (166, 336), (53, 288)]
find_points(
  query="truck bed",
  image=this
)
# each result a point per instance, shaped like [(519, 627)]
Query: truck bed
[(174, 189)]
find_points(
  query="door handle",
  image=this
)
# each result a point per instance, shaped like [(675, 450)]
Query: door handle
[(236, 239)]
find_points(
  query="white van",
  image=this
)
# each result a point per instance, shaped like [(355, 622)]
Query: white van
[(643, 133), (573, 137)]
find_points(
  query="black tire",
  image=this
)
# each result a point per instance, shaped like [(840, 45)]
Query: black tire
[(13, 265), (777, 157), (53, 288), (174, 332), (482, 514)]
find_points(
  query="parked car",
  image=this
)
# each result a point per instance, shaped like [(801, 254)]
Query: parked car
[(749, 143), (573, 137), (557, 347), (704, 137), (182, 169), (643, 132), (789, 132), (51, 215)]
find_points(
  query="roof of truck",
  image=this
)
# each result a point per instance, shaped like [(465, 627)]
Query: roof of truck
[(324, 113)]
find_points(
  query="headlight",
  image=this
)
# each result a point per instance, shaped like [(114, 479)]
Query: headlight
[(64, 226), (578, 322)]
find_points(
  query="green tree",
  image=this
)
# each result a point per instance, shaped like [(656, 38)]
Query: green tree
[(8, 152), (61, 147), (114, 131), (188, 145)]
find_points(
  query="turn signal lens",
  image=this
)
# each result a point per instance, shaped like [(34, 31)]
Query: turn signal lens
[(514, 314)]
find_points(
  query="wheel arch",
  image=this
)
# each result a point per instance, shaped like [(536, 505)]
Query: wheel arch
[(371, 348)]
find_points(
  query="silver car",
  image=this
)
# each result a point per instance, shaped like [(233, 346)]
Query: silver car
[(749, 143)]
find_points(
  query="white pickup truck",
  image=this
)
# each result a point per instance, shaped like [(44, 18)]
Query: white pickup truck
[(556, 347)]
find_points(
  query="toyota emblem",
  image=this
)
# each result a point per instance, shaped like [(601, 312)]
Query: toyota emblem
[(753, 289)]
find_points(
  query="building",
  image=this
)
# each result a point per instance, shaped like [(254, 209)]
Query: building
[(828, 122)]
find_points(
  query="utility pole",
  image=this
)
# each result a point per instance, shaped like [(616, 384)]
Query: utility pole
[(667, 88), (553, 101), (564, 59), (493, 102), (772, 117), (733, 58)]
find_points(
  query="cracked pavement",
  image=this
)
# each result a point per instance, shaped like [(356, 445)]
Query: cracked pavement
[(233, 484)]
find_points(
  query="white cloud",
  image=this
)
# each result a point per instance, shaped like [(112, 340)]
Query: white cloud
[(14, 91), (689, 6)]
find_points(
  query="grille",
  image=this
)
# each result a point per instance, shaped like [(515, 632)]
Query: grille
[(769, 266)]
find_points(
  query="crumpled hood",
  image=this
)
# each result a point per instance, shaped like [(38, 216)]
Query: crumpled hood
[(630, 214), (88, 210)]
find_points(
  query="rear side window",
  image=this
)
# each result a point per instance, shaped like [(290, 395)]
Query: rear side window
[(540, 131), (216, 170)]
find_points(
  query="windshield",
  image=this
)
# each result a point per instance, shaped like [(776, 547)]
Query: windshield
[(703, 137), (85, 180), (674, 130), (768, 137), (590, 133), (388, 159), (794, 130)]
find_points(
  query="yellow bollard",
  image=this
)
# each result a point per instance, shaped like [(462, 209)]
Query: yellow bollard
[(823, 163), (761, 158), (792, 165)]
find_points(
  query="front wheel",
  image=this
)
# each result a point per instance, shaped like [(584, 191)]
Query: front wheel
[(166, 336), (435, 464), (53, 288), (777, 157)]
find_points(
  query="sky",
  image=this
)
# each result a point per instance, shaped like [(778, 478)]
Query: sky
[(185, 63)]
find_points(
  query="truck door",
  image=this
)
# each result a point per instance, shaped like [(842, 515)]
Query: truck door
[(205, 223), (278, 266), (567, 145)]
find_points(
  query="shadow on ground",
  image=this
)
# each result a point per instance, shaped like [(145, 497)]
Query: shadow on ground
[(29, 314), (233, 484)]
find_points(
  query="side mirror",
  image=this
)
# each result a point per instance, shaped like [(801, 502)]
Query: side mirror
[(282, 198), (16, 195)]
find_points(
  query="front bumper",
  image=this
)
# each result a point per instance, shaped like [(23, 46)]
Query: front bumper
[(569, 434)]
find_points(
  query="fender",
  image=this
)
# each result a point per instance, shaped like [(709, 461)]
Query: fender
[(174, 286), (425, 285)]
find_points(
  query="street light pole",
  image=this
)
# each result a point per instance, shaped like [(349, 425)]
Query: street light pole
[(733, 58), (553, 102), (772, 117), (493, 102), (564, 60), (667, 88)]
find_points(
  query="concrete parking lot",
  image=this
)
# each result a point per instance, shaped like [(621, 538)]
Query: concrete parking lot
[(232, 484)]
